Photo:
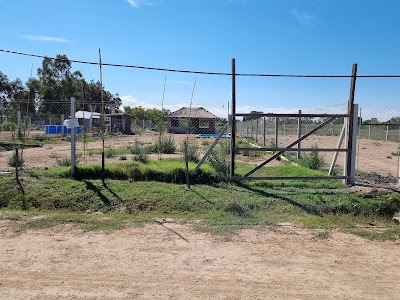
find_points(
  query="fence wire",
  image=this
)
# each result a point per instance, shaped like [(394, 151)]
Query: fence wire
[(154, 131), (378, 146)]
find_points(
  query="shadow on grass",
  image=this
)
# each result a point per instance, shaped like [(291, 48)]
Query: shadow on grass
[(202, 197), (116, 196), (92, 187), (303, 207)]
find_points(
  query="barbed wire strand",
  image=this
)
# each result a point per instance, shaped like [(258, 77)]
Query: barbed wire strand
[(200, 72)]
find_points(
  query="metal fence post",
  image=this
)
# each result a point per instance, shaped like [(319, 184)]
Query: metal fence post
[(19, 119), (233, 119), (62, 124), (299, 135), (257, 130), (354, 148), (387, 132), (276, 131), (351, 124), (264, 131), (73, 141)]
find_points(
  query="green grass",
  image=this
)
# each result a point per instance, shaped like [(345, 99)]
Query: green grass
[(137, 193)]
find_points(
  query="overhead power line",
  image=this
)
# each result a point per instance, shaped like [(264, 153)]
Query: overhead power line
[(201, 72)]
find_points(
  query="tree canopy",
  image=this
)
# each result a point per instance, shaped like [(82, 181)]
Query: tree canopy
[(50, 93)]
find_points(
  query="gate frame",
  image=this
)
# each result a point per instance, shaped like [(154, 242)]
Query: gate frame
[(351, 122)]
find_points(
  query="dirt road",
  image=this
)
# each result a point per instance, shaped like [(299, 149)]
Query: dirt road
[(176, 262)]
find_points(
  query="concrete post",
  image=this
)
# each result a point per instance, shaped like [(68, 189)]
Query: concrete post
[(19, 119), (73, 138)]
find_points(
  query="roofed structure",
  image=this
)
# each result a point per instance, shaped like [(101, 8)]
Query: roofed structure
[(201, 120), (195, 112)]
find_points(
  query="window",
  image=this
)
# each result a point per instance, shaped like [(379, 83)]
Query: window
[(204, 124)]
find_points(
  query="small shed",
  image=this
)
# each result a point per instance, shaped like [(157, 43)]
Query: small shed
[(201, 121), (115, 122)]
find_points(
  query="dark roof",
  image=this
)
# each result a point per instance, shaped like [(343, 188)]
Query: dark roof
[(196, 112)]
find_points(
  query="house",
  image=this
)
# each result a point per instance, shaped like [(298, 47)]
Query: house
[(201, 121)]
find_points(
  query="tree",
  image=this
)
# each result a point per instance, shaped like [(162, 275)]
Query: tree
[(372, 121), (247, 118), (56, 84)]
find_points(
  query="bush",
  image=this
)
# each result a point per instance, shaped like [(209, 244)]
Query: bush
[(110, 152), (142, 156), (63, 162), (165, 145), (313, 160), (219, 159), (136, 148), (12, 161), (192, 152)]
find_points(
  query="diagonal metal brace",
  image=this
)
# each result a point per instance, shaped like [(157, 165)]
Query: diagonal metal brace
[(210, 149), (291, 145)]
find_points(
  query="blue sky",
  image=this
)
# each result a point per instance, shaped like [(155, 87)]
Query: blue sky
[(284, 37)]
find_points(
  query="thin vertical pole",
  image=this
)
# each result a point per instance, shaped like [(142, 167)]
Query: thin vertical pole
[(233, 119), (264, 131), (62, 124), (73, 140), (299, 135), (354, 149), (103, 121), (387, 132), (185, 143), (350, 110), (19, 119), (257, 130), (369, 132), (276, 131)]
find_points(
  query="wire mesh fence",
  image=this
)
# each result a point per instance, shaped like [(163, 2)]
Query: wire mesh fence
[(157, 131), (378, 139), (378, 152)]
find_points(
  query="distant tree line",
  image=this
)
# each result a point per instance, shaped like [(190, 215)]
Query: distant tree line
[(50, 92)]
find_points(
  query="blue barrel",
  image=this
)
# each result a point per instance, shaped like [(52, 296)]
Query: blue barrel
[(50, 129)]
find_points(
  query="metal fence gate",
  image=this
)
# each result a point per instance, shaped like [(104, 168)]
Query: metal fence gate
[(348, 135)]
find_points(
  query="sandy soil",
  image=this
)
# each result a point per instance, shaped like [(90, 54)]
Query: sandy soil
[(173, 261)]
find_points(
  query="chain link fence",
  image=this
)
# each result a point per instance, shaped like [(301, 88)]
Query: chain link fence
[(46, 139), (378, 147), (154, 131)]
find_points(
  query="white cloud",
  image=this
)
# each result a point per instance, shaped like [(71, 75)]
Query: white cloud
[(138, 3), (302, 18), (219, 109), (133, 102), (44, 38)]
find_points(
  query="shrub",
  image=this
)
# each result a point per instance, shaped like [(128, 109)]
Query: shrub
[(192, 152), (219, 159), (12, 161), (237, 209), (165, 145), (313, 160), (136, 147), (109, 152), (141, 156), (63, 162)]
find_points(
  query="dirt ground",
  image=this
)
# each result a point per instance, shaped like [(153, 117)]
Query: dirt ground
[(374, 156), (173, 261)]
